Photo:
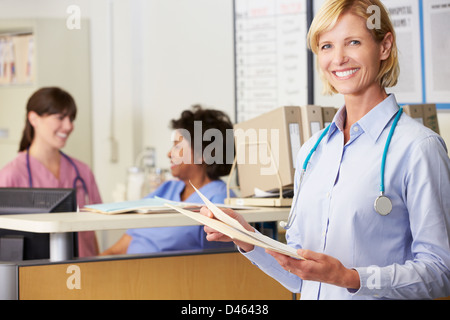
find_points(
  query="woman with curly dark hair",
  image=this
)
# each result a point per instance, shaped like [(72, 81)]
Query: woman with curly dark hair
[(199, 155)]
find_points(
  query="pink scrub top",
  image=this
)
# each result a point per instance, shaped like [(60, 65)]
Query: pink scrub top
[(15, 174)]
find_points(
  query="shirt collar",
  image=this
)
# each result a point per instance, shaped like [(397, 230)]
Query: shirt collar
[(373, 123)]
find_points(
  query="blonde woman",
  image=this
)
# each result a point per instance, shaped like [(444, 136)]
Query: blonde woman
[(358, 244)]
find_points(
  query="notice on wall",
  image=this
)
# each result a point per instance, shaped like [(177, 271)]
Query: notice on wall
[(16, 59), (271, 55), (405, 17), (436, 27)]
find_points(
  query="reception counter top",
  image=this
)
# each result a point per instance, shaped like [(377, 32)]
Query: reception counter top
[(60, 226), (87, 221)]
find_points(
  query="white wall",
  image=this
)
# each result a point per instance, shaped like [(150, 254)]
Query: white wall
[(189, 54), (165, 58), (111, 93)]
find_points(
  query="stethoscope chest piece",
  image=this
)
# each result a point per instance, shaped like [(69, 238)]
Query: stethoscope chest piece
[(383, 205)]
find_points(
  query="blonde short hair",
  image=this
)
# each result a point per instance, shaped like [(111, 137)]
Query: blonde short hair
[(327, 18)]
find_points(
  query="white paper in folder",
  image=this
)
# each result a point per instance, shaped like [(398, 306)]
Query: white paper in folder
[(230, 227)]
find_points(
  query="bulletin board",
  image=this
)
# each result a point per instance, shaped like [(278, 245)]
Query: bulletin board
[(274, 68), (17, 58), (271, 56), (423, 38)]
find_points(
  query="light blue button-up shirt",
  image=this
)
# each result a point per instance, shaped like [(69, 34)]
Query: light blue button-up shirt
[(405, 255)]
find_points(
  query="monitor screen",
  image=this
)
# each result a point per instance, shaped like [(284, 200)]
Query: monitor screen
[(19, 245)]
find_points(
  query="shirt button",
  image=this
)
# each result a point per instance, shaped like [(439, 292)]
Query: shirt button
[(356, 129)]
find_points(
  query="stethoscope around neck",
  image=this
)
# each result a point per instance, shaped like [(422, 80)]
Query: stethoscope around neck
[(77, 179), (382, 205)]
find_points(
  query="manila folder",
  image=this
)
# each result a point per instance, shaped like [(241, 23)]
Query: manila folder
[(230, 227)]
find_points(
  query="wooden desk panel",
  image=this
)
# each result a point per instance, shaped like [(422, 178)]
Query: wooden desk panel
[(208, 276)]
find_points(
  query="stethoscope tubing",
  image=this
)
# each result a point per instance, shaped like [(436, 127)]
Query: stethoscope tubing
[(77, 178), (386, 148), (291, 217)]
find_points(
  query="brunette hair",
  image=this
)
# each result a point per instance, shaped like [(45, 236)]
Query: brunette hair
[(209, 119), (47, 101), (327, 18)]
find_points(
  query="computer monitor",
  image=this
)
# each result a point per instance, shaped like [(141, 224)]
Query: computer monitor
[(19, 245)]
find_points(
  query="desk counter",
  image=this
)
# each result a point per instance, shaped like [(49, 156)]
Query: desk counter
[(195, 275), (61, 225), (88, 221)]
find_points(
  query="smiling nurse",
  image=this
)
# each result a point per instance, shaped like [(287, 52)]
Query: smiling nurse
[(40, 163), (352, 251)]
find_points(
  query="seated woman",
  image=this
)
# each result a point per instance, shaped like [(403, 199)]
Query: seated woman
[(189, 163)]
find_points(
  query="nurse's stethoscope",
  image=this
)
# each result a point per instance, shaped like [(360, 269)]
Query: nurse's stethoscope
[(77, 179), (382, 205)]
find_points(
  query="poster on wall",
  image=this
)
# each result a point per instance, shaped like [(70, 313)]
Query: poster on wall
[(405, 16), (16, 59), (270, 55), (436, 27), (6, 60)]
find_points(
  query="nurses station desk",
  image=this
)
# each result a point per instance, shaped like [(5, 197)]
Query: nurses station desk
[(218, 274)]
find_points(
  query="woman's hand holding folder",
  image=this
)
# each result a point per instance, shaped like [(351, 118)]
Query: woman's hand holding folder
[(213, 235)]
